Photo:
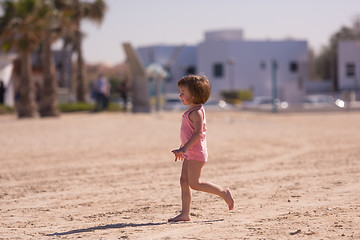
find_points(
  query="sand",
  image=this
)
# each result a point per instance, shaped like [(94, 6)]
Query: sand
[(112, 176)]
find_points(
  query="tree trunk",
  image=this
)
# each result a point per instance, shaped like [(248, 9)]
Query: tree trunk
[(49, 92), (25, 96), (63, 63), (80, 74), (64, 59)]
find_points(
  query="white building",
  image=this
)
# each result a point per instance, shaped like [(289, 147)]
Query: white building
[(349, 65), (6, 76), (232, 63)]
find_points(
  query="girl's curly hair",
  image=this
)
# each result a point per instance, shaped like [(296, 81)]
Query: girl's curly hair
[(199, 87)]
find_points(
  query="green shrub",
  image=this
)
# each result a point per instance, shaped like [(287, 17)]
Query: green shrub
[(76, 107), (114, 107), (87, 107), (6, 109), (237, 96)]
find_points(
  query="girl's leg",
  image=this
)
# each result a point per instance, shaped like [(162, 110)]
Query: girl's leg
[(194, 172), (185, 195)]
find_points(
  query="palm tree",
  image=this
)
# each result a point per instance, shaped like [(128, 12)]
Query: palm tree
[(83, 10), (66, 47), (48, 106), (67, 35), (20, 29), (94, 12)]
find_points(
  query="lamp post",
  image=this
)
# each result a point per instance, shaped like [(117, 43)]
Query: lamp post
[(231, 62), (355, 83), (274, 86)]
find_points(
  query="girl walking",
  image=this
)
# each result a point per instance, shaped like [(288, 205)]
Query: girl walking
[(194, 92)]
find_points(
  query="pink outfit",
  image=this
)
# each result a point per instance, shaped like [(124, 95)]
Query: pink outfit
[(198, 152)]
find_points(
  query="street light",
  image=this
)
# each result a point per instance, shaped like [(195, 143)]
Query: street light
[(231, 62), (274, 86)]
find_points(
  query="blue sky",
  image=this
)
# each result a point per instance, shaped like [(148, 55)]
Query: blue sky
[(146, 22)]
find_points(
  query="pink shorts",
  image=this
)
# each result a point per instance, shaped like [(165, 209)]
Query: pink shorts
[(196, 156)]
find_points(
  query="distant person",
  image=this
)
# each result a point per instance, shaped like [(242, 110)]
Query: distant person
[(102, 92), (123, 91), (194, 92), (2, 92)]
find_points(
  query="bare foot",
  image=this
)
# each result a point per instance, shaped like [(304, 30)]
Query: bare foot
[(229, 199), (180, 218)]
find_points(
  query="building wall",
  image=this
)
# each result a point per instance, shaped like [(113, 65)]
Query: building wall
[(224, 35), (6, 68), (247, 65), (348, 65)]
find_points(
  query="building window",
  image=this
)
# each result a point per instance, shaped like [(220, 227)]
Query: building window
[(190, 70), (218, 70), (293, 67), (350, 69)]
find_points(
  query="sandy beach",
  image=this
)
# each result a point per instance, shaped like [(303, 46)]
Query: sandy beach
[(112, 176)]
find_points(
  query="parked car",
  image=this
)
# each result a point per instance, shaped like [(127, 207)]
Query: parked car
[(264, 103), (217, 105), (173, 103), (321, 101)]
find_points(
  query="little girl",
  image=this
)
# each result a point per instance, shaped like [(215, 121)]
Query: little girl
[(195, 91)]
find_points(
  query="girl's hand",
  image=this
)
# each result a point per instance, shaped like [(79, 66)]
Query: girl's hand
[(179, 154)]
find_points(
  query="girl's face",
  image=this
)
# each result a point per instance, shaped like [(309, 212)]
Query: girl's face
[(185, 96)]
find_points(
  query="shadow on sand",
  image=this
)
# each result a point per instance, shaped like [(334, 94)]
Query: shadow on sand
[(122, 225)]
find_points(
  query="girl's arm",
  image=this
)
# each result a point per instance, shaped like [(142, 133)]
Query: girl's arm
[(198, 120)]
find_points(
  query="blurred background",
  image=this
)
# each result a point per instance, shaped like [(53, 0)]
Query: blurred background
[(107, 55)]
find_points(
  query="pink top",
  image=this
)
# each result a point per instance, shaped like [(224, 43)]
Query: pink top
[(197, 152)]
